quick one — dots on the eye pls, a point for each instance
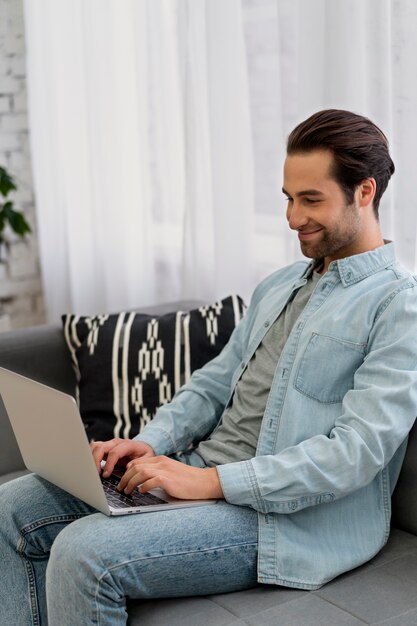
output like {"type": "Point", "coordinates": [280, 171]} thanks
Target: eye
{"type": "Point", "coordinates": [311, 200]}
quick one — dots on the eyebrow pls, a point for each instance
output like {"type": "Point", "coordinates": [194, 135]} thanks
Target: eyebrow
{"type": "Point", "coordinates": [305, 192]}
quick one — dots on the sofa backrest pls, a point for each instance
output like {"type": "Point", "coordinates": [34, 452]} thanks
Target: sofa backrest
{"type": "Point", "coordinates": [404, 500]}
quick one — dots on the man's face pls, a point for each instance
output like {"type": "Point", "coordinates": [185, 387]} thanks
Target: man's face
{"type": "Point", "coordinates": [328, 228]}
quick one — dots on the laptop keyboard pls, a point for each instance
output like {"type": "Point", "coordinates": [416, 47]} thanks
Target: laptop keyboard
{"type": "Point", "coordinates": [121, 501]}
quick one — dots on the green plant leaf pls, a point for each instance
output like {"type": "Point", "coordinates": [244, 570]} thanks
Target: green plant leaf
{"type": "Point", "coordinates": [16, 220]}
{"type": "Point", "coordinates": [7, 183]}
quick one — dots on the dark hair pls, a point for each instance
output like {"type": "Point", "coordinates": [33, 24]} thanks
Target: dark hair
{"type": "Point", "coordinates": [359, 147]}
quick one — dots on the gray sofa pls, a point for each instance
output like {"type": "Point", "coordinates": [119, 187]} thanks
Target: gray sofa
{"type": "Point", "coordinates": [383, 592]}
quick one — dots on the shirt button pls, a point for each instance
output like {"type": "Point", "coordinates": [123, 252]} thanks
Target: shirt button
{"type": "Point", "coordinates": [349, 275]}
{"type": "Point", "coordinates": [242, 365]}
{"type": "Point", "coordinates": [266, 324]}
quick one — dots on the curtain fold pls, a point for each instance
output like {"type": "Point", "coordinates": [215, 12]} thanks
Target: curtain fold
{"type": "Point", "coordinates": [142, 151]}
{"type": "Point", "coordinates": [219, 207]}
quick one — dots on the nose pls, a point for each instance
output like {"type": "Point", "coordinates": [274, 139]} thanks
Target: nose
{"type": "Point", "coordinates": [295, 215]}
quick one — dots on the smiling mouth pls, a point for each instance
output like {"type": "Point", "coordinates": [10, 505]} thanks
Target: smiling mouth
{"type": "Point", "coordinates": [305, 236]}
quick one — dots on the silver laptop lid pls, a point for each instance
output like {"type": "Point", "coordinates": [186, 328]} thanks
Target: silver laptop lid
{"type": "Point", "coordinates": [51, 437]}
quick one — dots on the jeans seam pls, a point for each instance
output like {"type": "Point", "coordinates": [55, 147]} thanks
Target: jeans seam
{"type": "Point", "coordinates": [30, 572]}
{"type": "Point", "coordinates": [46, 521]}
{"type": "Point", "coordinates": [183, 553]}
{"type": "Point", "coordinates": [109, 570]}
{"type": "Point", "coordinates": [34, 607]}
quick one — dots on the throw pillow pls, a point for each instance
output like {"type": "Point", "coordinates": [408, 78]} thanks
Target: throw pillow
{"type": "Point", "coordinates": [129, 364]}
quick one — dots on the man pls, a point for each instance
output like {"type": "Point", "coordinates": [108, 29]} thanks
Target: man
{"type": "Point", "coordinates": [301, 421]}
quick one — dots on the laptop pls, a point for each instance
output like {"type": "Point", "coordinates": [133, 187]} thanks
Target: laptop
{"type": "Point", "coordinates": [53, 443]}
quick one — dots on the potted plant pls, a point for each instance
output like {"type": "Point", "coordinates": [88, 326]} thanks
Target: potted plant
{"type": "Point", "coordinates": [8, 216]}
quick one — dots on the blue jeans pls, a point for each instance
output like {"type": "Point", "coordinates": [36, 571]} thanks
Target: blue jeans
{"type": "Point", "coordinates": [62, 563]}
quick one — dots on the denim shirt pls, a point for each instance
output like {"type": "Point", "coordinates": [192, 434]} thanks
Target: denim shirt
{"type": "Point", "coordinates": [334, 432]}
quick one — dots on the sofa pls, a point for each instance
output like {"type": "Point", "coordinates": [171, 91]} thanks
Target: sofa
{"type": "Point", "coordinates": [382, 592]}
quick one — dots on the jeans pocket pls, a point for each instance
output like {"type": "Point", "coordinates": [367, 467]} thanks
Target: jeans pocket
{"type": "Point", "coordinates": [327, 368]}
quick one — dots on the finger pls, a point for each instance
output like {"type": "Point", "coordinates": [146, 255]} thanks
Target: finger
{"type": "Point", "coordinates": [97, 449]}
{"type": "Point", "coordinates": [144, 461]}
{"type": "Point", "coordinates": [125, 449]}
{"type": "Point", "coordinates": [119, 451]}
{"type": "Point", "coordinates": [132, 483]}
{"type": "Point", "coordinates": [100, 449]}
{"type": "Point", "coordinates": [125, 479]}
{"type": "Point", "coordinates": [142, 468]}
{"type": "Point", "coordinates": [135, 477]}
{"type": "Point", "coordinates": [130, 473]}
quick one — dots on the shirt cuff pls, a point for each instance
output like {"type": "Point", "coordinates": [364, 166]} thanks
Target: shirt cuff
{"type": "Point", "coordinates": [239, 485]}
{"type": "Point", "coordinates": [159, 440]}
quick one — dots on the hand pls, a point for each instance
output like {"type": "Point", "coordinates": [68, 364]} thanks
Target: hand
{"type": "Point", "coordinates": [118, 452]}
{"type": "Point", "coordinates": [176, 478]}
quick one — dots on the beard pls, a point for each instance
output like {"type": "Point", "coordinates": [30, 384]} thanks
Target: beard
{"type": "Point", "coordinates": [336, 240]}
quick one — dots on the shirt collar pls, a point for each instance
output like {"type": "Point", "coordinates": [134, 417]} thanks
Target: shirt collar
{"type": "Point", "coordinates": [353, 269]}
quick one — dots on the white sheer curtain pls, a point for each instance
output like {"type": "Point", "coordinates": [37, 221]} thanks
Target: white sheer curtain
{"type": "Point", "coordinates": [141, 148]}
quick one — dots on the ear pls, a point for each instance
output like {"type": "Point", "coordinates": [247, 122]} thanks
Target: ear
{"type": "Point", "coordinates": [366, 192]}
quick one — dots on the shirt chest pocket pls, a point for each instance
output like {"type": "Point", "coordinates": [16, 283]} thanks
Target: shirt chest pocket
{"type": "Point", "coordinates": [327, 368]}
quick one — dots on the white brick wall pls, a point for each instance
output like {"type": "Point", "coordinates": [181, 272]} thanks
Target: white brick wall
{"type": "Point", "coordinates": [21, 302]}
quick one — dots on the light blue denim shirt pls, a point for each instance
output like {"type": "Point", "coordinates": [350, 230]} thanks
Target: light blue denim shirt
{"type": "Point", "coordinates": [334, 431]}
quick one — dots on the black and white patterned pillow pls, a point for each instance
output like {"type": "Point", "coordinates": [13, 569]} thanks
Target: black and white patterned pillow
{"type": "Point", "coordinates": [129, 364]}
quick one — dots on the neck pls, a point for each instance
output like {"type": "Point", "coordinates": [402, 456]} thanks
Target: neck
{"type": "Point", "coordinates": [324, 263]}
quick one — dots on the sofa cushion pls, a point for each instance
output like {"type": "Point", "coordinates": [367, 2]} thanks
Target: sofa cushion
{"type": "Point", "coordinates": [128, 364]}
{"type": "Point", "coordinates": [381, 592]}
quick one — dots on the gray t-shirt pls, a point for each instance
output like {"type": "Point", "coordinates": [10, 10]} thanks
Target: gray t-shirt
{"type": "Point", "coordinates": [236, 438]}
